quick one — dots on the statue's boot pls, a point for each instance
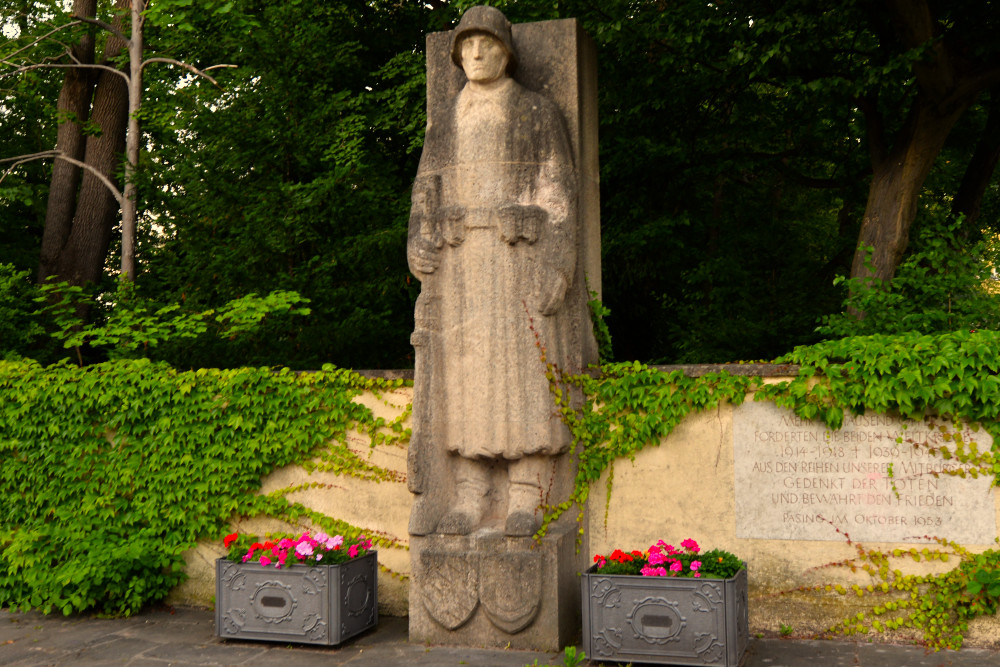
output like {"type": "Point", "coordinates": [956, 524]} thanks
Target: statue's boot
{"type": "Point", "coordinates": [425, 514]}
{"type": "Point", "coordinates": [526, 497]}
{"type": "Point", "coordinates": [472, 484]}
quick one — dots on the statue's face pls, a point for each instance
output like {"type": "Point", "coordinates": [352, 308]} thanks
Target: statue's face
{"type": "Point", "coordinates": [483, 57]}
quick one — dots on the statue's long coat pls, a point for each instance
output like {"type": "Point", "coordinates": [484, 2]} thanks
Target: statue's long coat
{"type": "Point", "coordinates": [496, 189]}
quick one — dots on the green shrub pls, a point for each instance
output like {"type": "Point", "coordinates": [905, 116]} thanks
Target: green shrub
{"type": "Point", "coordinates": [111, 472]}
{"type": "Point", "coordinates": [19, 328]}
{"type": "Point", "coordinates": [940, 287]}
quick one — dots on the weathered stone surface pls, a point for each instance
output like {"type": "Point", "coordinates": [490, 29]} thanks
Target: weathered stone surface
{"type": "Point", "coordinates": [511, 588]}
{"type": "Point", "coordinates": [450, 585]}
{"type": "Point", "coordinates": [874, 479]}
{"type": "Point", "coordinates": [526, 595]}
{"type": "Point", "coordinates": [504, 233]}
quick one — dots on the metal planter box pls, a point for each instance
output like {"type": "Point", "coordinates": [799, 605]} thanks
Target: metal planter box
{"type": "Point", "coordinates": [325, 604]}
{"type": "Point", "coordinates": [665, 620]}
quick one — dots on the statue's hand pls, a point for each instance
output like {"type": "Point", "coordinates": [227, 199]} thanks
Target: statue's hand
{"type": "Point", "coordinates": [521, 223]}
{"type": "Point", "coordinates": [451, 221]}
{"type": "Point", "coordinates": [425, 254]}
{"type": "Point", "coordinates": [551, 292]}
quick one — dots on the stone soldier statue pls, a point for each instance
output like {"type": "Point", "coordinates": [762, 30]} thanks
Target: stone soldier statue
{"type": "Point", "coordinates": [493, 240]}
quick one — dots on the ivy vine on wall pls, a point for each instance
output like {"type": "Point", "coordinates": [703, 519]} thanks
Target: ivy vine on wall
{"type": "Point", "coordinates": [111, 472]}
{"type": "Point", "coordinates": [938, 607]}
{"type": "Point", "coordinates": [950, 377]}
{"type": "Point", "coordinates": [630, 406]}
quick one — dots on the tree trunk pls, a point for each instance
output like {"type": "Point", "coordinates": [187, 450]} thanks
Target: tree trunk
{"type": "Point", "coordinates": [947, 85]}
{"type": "Point", "coordinates": [895, 189]}
{"type": "Point", "coordinates": [74, 108]}
{"type": "Point", "coordinates": [129, 208]}
{"type": "Point", "coordinates": [82, 257]}
{"type": "Point", "coordinates": [979, 171]}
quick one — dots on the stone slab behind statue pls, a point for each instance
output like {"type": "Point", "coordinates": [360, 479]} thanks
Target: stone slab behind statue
{"type": "Point", "coordinates": [487, 589]}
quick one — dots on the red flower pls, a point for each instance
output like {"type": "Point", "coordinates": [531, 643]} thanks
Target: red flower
{"type": "Point", "coordinates": [620, 556]}
{"type": "Point", "coordinates": [229, 539]}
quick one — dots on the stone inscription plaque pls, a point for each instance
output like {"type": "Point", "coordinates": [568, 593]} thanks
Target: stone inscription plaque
{"type": "Point", "coordinates": [868, 479]}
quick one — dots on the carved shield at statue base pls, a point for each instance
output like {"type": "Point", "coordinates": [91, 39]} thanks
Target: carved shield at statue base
{"type": "Point", "coordinates": [450, 586]}
{"type": "Point", "coordinates": [510, 588]}
{"type": "Point", "coordinates": [488, 589]}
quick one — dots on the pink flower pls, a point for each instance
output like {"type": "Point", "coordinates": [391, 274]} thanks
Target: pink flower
{"type": "Point", "coordinates": [697, 574]}
{"type": "Point", "coordinates": [265, 561]}
{"type": "Point", "coordinates": [653, 572]}
{"type": "Point", "coordinates": [695, 564]}
{"type": "Point", "coordinates": [335, 542]}
{"type": "Point", "coordinates": [353, 551]}
{"type": "Point", "coordinates": [304, 549]}
{"type": "Point", "coordinates": [669, 548]}
{"type": "Point", "coordinates": [690, 545]}
{"type": "Point", "coordinates": [676, 566]}
{"type": "Point", "coordinates": [656, 558]}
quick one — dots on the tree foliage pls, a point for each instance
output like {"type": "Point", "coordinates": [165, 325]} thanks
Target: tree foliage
{"type": "Point", "coordinates": [26, 104]}
{"type": "Point", "coordinates": [300, 178]}
{"type": "Point", "coordinates": [741, 145]}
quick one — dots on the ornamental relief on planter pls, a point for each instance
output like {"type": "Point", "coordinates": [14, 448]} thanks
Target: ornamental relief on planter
{"type": "Point", "coordinates": [273, 602]}
{"type": "Point", "coordinates": [680, 621]}
{"type": "Point", "coordinates": [324, 604]}
{"type": "Point", "coordinates": [656, 620]}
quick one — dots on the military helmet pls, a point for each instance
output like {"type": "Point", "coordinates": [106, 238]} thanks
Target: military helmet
{"type": "Point", "coordinates": [489, 20]}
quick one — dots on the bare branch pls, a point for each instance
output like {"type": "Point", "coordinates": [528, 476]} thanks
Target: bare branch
{"type": "Point", "coordinates": [59, 155]}
{"type": "Point", "coordinates": [191, 68]}
{"type": "Point", "coordinates": [106, 26]}
{"type": "Point", "coordinates": [25, 68]}
{"type": "Point", "coordinates": [29, 156]}
{"type": "Point", "coordinates": [44, 37]}
{"type": "Point", "coordinates": [67, 47]}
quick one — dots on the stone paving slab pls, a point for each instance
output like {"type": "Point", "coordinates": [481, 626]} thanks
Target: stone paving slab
{"type": "Point", "coordinates": [793, 653]}
{"type": "Point", "coordinates": [185, 637]}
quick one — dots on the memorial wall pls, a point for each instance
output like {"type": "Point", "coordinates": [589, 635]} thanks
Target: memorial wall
{"type": "Point", "coordinates": [876, 478]}
{"type": "Point", "coordinates": [753, 479]}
